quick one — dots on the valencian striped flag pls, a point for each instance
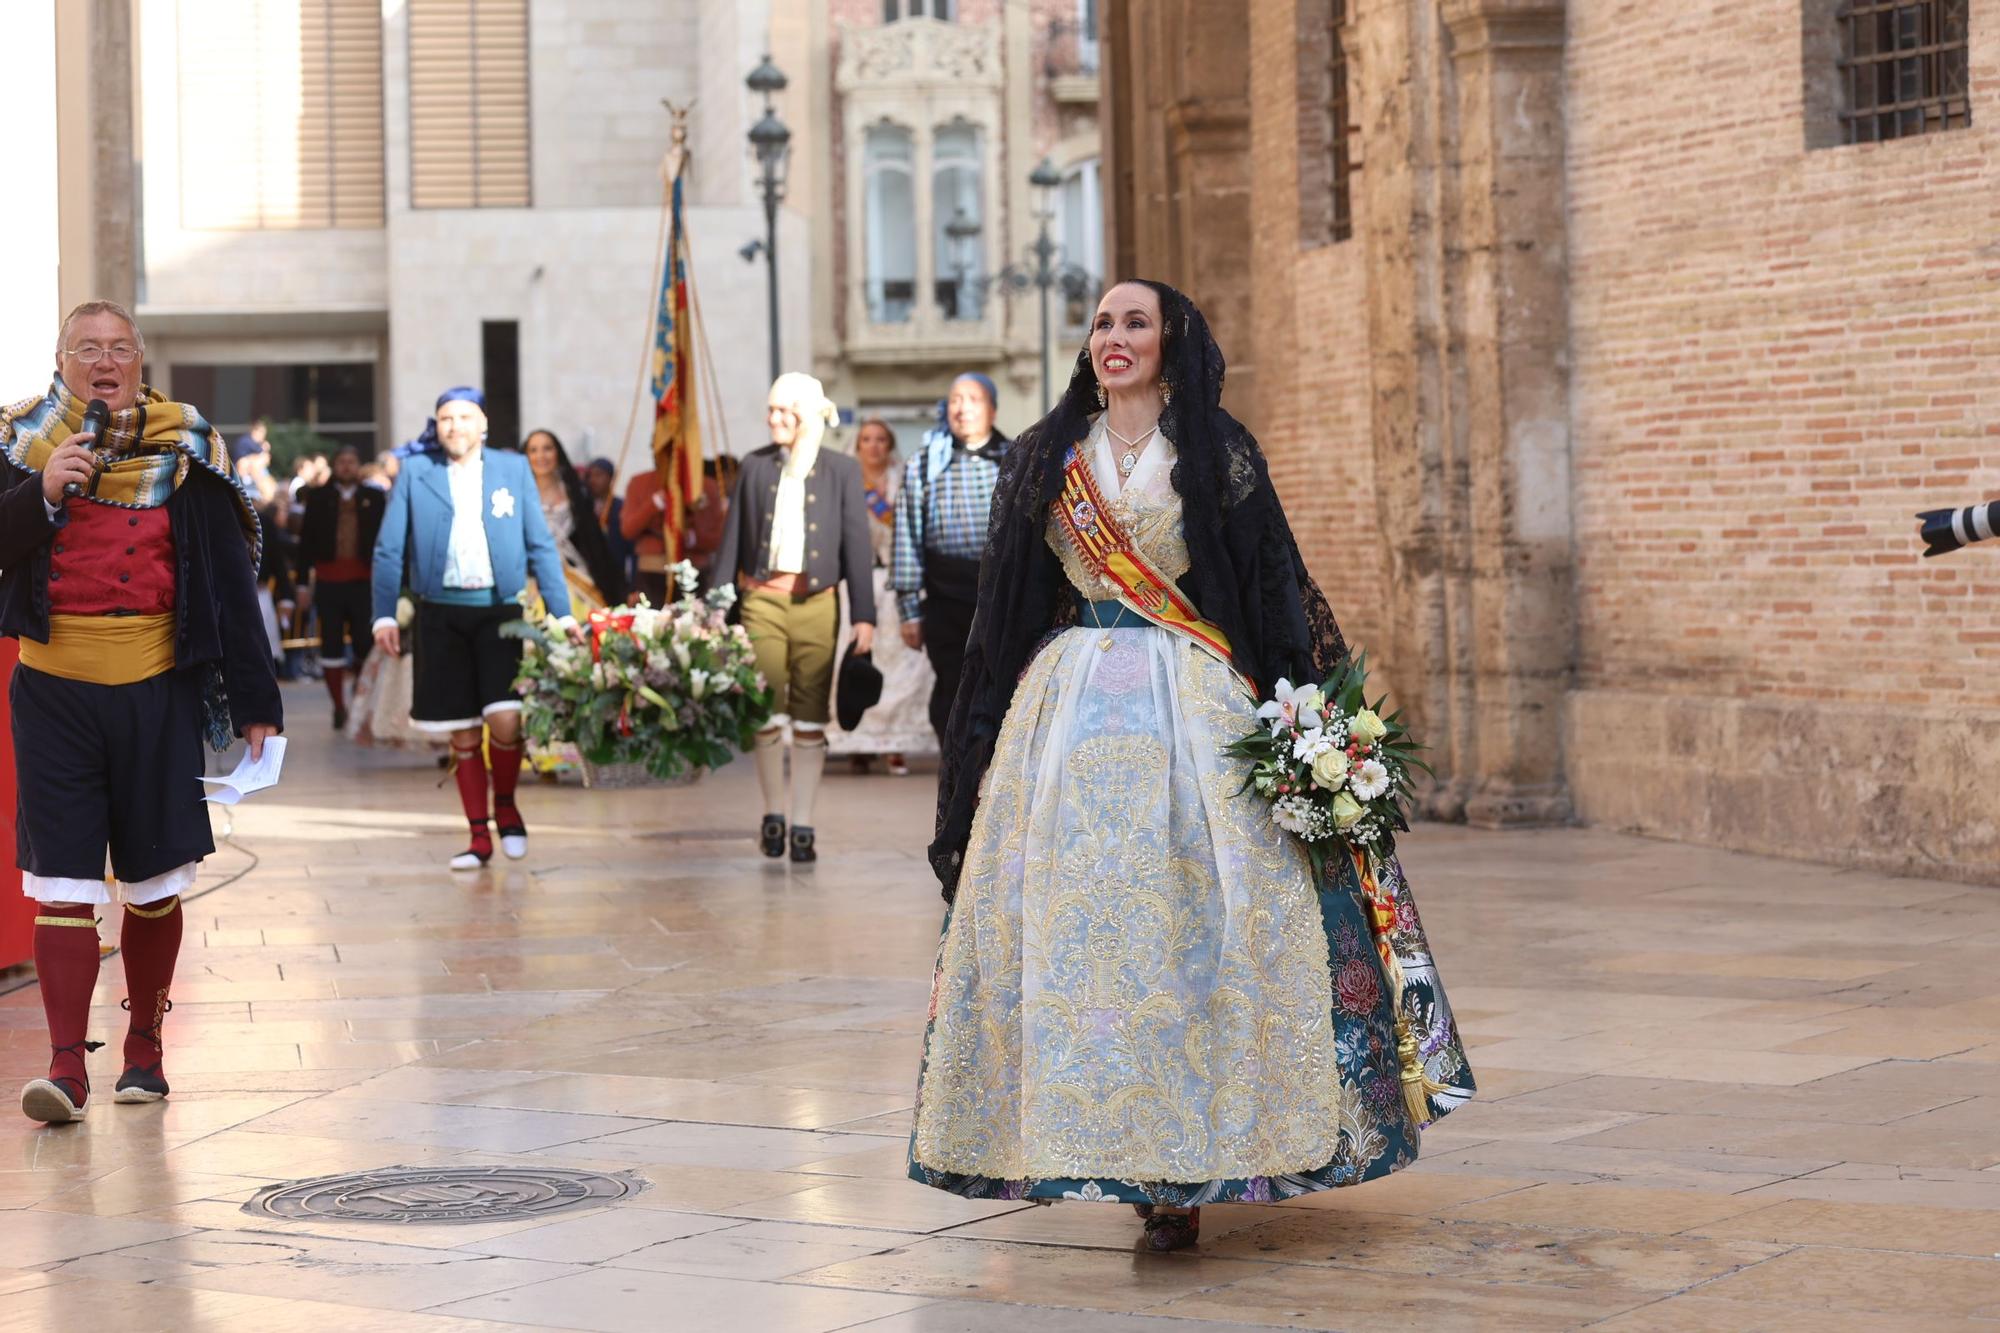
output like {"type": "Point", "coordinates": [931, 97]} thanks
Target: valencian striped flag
{"type": "Point", "coordinates": [676, 431]}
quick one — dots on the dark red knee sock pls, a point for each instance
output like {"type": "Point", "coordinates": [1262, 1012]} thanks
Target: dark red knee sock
{"type": "Point", "coordinates": [506, 761]}
{"type": "Point", "coordinates": [336, 684]}
{"type": "Point", "coordinates": [149, 942]}
{"type": "Point", "coordinates": [471, 772]}
{"type": "Point", "coordinates": [66, 966]}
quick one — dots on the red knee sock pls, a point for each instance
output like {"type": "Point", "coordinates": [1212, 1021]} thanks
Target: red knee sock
{"type": "Point", "coordinates": [149, 942]}
{"type": "Point", "coordinates": [471, 771]}
{"type": "Point", "coordinates": [336, 682]}
{"type": "Point", "coordinates": [66, 965]}
{"type": "Point", "coordinates": [506, 761]}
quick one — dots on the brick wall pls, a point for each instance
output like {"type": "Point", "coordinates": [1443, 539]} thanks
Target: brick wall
{"type": "Point", "coordinates": [1780, 355]}
{"type": "Point", "coordinates": [1777, 355]}
{"type": "Point", "coordinates": [1311, 408]}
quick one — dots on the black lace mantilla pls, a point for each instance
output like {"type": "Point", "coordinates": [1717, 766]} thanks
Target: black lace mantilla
{"type": "Point", "coordinates": [1246, 574]}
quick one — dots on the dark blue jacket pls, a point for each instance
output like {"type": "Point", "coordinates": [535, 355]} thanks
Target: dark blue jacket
{"type": "Point", "coordinates": [215, 589]}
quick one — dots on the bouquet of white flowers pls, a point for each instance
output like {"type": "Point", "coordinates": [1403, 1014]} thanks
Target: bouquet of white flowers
{"type": "Point", "coordinates": [673, 689]}
{"type": "Point", "coordinates": [1335, 768]}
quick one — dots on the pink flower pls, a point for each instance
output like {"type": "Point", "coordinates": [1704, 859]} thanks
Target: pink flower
{"type": "Point", "coordinates": [1356, 987]}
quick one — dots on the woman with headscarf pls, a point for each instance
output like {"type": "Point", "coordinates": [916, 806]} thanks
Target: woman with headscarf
{"type": "Point", "coordinates": [897, 725]}
{"type": "Point", "coordinates": [797, 528]}
{"type": "Point", "coordinates": [1142, 994]}
{"type": "Point", "coordinates": [567, 507]}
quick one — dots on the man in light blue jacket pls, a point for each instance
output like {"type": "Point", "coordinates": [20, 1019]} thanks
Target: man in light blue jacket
{"type": "Point", "coordinates": [466, 522]}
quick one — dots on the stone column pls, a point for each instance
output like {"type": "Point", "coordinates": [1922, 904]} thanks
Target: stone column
{"type": "Point", "coordinates": [1460, 207]}
{"type": "Point", "coordinates": [1511, 333]}
{"type": "Point", "coordinates": [1395, 89]}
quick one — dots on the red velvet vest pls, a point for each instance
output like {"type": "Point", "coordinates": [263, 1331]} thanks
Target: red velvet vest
{"type": "Point", "coordinates": [108, 560]}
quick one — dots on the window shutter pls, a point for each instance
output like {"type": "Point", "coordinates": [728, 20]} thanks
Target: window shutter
{"type": "Point", "coordinates": [469, 104]}
{"type": "Point", "coordinates": [280, 113]}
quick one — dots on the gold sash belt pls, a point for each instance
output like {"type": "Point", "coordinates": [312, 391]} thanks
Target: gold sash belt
{"type": "Point", "coordinates": [104, 650]}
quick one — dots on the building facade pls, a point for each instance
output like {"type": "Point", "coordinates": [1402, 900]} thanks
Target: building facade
{"type": "Point", "coordinates": [925, 120]}
{"type": "Point", "coordinates": [340, 207]}
{"type": "Point", "coordinates": [1603, 354]}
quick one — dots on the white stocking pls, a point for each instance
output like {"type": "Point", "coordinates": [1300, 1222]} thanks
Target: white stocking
{"type": "Point", "coordinates": [808, 761]}
{"type": "Point", "coordinates": [770, 753]}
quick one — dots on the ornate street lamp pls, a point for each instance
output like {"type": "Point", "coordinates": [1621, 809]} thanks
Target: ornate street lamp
{"type": "Point", "coordinates": [1047, 272]}
{"type": "Point", "coordinates": [771, 140]}
{"type": "Point", "coordinates": [962, 231]}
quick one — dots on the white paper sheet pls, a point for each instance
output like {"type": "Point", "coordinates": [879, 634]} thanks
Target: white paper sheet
{"type": "Point", "coordinates": [250, 775]}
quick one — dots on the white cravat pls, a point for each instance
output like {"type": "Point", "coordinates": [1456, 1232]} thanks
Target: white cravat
{"type": "Point", "coordinates": [788, 524]}
{"type": "Point", "coordinates": [467, 562]}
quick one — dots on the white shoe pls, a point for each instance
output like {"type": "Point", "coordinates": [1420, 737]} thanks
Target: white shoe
{"type": "Point", "coordinates": [515, 845]}
{"type": "Point", "coordinates": [468, 860]}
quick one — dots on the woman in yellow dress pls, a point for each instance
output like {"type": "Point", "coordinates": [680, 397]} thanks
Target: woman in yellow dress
{"type": "Point", "coordinates": [1142, 994]}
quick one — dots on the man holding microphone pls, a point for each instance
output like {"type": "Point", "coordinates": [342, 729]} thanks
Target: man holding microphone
{"type": "Point", "coordinates": [127, 571]}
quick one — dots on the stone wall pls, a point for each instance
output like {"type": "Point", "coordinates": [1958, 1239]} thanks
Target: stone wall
{"type": "Point", "coordinates": [1605, 429]}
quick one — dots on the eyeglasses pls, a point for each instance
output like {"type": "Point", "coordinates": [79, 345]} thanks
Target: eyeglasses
{"type": "Point", "coordinates": [123, 354]}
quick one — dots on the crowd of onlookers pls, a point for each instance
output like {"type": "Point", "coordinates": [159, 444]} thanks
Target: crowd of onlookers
{"type": "Point", "coordinates": [613, 538]}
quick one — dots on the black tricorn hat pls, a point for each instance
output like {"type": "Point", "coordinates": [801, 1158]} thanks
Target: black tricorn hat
{"type": "Point", "coordinates": [858, 690]}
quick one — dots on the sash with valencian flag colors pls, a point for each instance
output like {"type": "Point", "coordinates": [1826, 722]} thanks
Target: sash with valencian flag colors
{"type": "Point", "coordinates": [1086, 520]}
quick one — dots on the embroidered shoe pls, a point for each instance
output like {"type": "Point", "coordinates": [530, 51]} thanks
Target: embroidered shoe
{"type": "Point", "coordinates": [772, 835]}
{"type": "Point", "coordinates": [1173, 1231]}
{"type": "Point", "coordinates": [513, 831]}
{"type": "Point", "coordinates": [802, 845]}
{"type": "Point", "coordinates": [479, 853]}
{"type": "Point", "coordinates": [142, 1082]}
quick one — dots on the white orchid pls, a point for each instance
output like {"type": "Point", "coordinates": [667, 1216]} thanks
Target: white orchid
{"type": "Point", "coordinates": [1292, 706]}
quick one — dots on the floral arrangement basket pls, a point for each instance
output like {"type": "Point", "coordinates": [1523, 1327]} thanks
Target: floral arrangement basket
{"type": "Point", "coordinates": [644, 693]}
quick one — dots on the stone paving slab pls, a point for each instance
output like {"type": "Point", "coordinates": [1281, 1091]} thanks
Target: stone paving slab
{"type": "Point", "coordinates": [1716, 1091]}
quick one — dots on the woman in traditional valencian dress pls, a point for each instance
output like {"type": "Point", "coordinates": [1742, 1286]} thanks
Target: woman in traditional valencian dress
{"type": "Point", "coordinates": [594, 577]}
{"type": "Point", "coordinates": [1142, 995]}
{"type": "Point", "coordinates": [898, 724]}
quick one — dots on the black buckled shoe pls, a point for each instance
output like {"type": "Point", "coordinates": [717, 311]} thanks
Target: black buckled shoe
{"type": "Point", "coordinates": [802, 846]}
{"type": "Point", "coordinates": [771, 837]}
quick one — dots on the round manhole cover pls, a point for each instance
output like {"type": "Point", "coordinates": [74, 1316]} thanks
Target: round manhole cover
{"type": "Point", "coordinates": [442, 1194]}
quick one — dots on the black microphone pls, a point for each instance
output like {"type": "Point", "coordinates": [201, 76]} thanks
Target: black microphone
{"type": "Point", "coordinates": [96, 416]}
{"type": "Point", "coordinates": [1947, 530]}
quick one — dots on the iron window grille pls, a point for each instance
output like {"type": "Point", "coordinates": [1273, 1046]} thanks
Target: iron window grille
{"type": "Point", "coordinates": [1904, 69]}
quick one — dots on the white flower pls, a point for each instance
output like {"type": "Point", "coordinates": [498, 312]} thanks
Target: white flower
{"type": "Point", "coordinates": [1311, 744]}
{"type": "Point", "coordinates": [645, 622]}
{"type": "Point", "coordinates": [1371, 779]}
{"type": "Point", "coordinates": [503, 503]}
{"type": "Point", "coordinates": [687, 576]}
{"type": "Point", "coordinates": [1295, 706]}
{"type": "Point", "coordinates": [697, 684]}
{"type": "Point", "coordinates": [1293, 813]}
{"type": "Point", "coordinates": [680, 651]}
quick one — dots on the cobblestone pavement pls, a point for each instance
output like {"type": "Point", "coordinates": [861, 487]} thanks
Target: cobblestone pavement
{"type": "Point", "coordinates": [1717, 1091]}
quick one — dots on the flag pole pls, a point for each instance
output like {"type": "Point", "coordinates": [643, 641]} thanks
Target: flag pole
{"type": "Point", "coordinates": [670, 166]}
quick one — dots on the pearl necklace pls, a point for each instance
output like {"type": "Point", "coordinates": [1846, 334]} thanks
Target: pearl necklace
{"type": "Point", "coordinates": [1130, 458]}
